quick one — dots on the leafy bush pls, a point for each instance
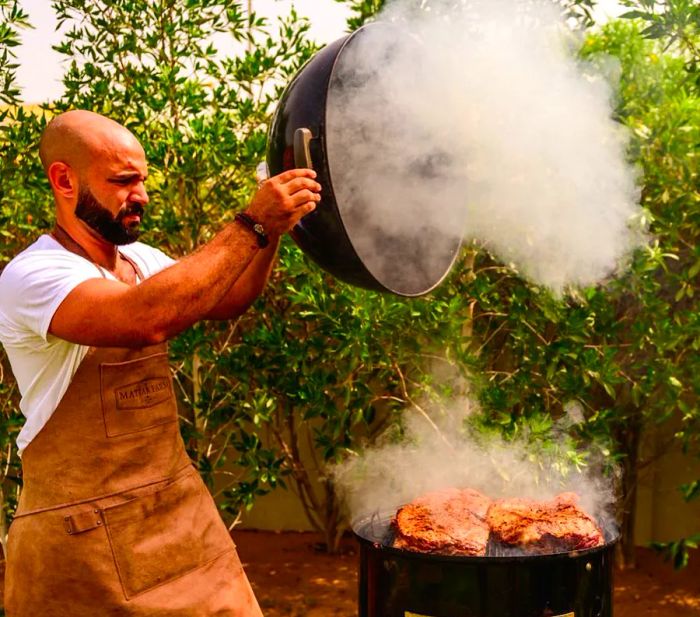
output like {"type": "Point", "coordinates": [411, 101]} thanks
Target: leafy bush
{"type": "Point", "coordinates": [319, 362]}
{"type": "Point", "coordinates": [626, 352]}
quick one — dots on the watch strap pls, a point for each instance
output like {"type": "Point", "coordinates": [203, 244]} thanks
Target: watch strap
{"type": "Point", "coordinates": [248, 221]}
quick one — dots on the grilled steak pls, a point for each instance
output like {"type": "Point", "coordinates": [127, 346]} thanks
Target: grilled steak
{"type": "Point", "coordinates": [541, 527]}
{"type": "Point", "coordinates": [449, 522]}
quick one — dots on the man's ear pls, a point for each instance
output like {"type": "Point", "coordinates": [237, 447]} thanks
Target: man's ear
{"type": "Point", "coordinates": [63, 180]}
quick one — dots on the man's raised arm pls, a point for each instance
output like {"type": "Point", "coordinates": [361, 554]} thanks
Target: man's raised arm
{"type": "Point", "coordinates": [107, 313]}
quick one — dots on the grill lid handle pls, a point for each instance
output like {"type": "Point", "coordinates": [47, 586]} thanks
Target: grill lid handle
{"type": "Point", "coordinates": [302, 153]}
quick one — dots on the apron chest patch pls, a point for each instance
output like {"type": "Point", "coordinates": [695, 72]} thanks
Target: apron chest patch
{"type": "Point", "coordinates": [137, 395]}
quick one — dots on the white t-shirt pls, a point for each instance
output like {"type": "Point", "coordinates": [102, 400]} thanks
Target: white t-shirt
{"type": "Point", "coordinates": [32, 286]}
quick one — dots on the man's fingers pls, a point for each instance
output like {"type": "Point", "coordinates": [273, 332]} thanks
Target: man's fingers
{"type": "Point", "coordinates": [310, 207]}
{"type": "Point", "coordinates": [299, 184]}
{"type": "Point", "coordinates": [303, 197]}
{"type": "Point", "coordinates": [301, 212]}
{"type": "Point", "coordinates": [284, 199]}
{"type": "Point", "coordinates": [287, 176]}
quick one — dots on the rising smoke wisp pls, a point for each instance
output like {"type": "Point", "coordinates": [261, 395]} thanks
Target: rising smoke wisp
{"type": "Point", "coordinates": [475, 120]}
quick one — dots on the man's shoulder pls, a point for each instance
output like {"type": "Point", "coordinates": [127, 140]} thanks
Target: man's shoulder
{"type": "Point", "coordinates": [43, 243]}
{"type": "Point", "coordinates": [45, 264]}
{"type": "Point", "coordinates": [44, 250]}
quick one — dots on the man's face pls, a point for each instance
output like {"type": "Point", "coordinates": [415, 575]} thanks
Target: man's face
{"type": "Point", "coordinates": [119, 229]}
{"type": "Point", "coordinates": [112, 195]}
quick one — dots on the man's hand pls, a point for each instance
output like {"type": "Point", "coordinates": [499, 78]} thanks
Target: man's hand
{"type": "Point", "coordinates": [284, 199]}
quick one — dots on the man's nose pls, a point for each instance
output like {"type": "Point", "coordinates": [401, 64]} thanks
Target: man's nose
{"type": "Point", "coordinates": [140, 196]}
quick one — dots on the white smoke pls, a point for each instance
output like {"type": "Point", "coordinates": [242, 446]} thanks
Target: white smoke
{"type": "Point", "coordinates": [475, 120]}
{"type": "Point", "coordinates": [436, 452]}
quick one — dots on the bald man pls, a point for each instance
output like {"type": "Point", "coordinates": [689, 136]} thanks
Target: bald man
{"type": "Point", "coordinates": [113, 518]}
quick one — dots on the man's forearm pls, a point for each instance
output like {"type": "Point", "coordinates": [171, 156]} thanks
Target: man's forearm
{"type": "Point", "coordinates": [249, 284]}
{"type": "Point", "coordinates": [187, 291]}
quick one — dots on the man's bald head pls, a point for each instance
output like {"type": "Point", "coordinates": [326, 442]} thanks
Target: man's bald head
{"type": "Point", "coordinates": [79, 137]}
{"type": "Point", "coordinates": [97, 170]}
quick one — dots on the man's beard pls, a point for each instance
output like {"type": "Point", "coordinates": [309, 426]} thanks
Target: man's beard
{"type": "Point", "coordinates": [98, 218]}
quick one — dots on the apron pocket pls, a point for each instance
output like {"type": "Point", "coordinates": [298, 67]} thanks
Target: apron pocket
{"type": "Point", "coordinates": [161, 536]}
{"type": "Point", "coordinates": [137, 395]}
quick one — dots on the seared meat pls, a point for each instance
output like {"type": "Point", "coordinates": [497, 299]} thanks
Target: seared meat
{"type": "Point", "coordinates": [450, 522]}
{"type": "Point", "coordinates": [541, 527]}
{"type": "Point", "coordinates": [465, 522]}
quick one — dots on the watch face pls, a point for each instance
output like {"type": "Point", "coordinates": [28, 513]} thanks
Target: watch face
{"type": "Point", "coordinates": [258, 228]}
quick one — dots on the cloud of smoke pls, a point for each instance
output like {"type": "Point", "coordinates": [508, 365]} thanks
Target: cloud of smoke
{"type": "Point", "coordinates": [439, 453]}
{"type": "Point", "coordinates": [475, 120]}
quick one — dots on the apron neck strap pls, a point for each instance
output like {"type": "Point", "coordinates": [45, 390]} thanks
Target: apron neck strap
{"type": "Point", "coordinates": [66, 241]}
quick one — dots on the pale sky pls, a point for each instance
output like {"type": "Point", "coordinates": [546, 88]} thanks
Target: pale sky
{"type": "Point", "coordinates": [40, 70]}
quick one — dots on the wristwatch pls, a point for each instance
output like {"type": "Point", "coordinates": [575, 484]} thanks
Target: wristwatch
{"type": "Point", "coordinates": [248, 221]}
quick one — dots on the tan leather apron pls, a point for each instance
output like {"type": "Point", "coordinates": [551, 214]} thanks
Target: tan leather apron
{"type": "Point", "coordinates": [113, 518]}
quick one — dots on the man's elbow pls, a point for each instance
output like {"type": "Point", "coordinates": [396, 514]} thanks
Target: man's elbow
{"type": "Point", "coordinates": [142, 339]}
{"type": "Point", "coordinates": [158, 337]}
{"type": "Point", "coordinates": [230, 311]}
{"type": "Point", "coordinates": [152, 333]}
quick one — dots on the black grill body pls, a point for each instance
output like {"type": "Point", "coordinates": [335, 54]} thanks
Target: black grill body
{"type": "Point", "coordinates": [399, 583]}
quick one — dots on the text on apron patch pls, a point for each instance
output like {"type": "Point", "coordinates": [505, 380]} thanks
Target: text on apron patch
{"type": "Point", "coordinates": [143, 394]}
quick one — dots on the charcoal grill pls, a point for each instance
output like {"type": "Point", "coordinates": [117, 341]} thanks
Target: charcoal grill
{"type": "Point", "coordinates": [400, 583]}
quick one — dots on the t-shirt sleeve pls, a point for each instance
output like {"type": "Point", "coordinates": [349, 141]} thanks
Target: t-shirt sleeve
{"type": "Point", "coordinates": [33, 286]}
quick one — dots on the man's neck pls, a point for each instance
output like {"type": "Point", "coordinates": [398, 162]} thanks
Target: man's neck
{"type": "Point", "coordinates": [88, 243]}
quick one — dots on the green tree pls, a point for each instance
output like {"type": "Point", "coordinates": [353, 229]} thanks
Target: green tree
{"type": "Point", "coordinates": [23, 212]}
{"type": "Point", "coordinates": [16, 223]}
{"type": "Point", "coordinates": [12, 19]}
{"type": "Point", "coordinates": [676, 25]}
{"type": "Point", "coordinates": [327, 367]}
{"type": "Point", "coordinates": [319, 362]}
{"type": "Point", "coordinates": [363, 11]}
{"type": "Point", "coordinates": [201, 115]}
{"type": "Point", "coordinates": [626, 352]}
{"type": "Point", "coordinates": [316, 363]}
